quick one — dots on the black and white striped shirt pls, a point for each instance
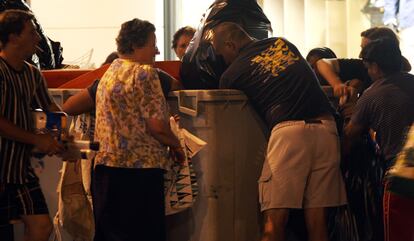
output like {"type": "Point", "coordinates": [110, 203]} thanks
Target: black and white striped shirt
{"type": "Point", "coordinates": [20, 92]}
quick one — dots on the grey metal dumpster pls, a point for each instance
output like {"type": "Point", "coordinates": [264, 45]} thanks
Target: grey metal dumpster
{"type": "Point", "coordinates": [227, 169]}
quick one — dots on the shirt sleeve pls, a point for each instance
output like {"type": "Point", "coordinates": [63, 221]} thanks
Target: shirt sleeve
{"type": "Point", "coordinates": [92, 89]}
{"type": "Point", "coordinates": [152, 104]}
{"type": "Point", "coordinates": [165, 80]}
{"type": "Point", "coordinates": [226, 81]}
{"type": "Point", "coordinates": [353, 69]}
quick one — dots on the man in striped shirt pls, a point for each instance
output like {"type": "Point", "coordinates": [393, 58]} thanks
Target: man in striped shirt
{"type": "Point", "coordinates": [387, 106]}
{"type": "Point", "coordinates": [22, 88]}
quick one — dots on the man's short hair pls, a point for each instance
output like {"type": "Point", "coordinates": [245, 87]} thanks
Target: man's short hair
{"type": "Point", "coordinates": [367, 32]}
{"type": "Point", "coordinates": [227, 31]}
{"type": "Point", "coordinates": [12, 22]}
{"type": "Point", "coordinates": [385, 52]}
{"type": "Point", "coordinates": [187, 30]}
{"type": "Point", "coordinates": [379, 32]}
{"type": "Point", "coordinates": [133, 34]}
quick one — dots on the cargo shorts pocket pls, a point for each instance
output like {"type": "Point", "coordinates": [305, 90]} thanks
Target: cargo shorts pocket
{"type": "Point", "coordinates": [265, 190]}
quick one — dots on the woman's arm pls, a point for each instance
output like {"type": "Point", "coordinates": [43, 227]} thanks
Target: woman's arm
{"type": "Point", "coordinates": [161, 131]}
{"type": "Point", "coordinates": [80, 103]}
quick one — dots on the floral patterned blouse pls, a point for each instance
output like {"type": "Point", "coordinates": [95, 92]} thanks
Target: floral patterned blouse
{"type": "Point", "coordinates": [127, 94]}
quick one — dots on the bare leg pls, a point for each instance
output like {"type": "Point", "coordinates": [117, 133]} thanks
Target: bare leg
{"type": "Point", "coordinates": [275, 221]}
{"type": "Point", "coordinates": [316, 224]}
{"type": "Point", "coordinates": [37, 227]}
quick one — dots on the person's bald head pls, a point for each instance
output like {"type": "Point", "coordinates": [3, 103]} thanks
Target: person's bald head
{"type": "Point", "coordinates": [227, 38]}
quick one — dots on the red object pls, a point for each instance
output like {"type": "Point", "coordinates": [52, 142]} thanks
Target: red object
{"type": "Point", "coordinates": [79, 79]}
{"type": "Point", "coordinates": [398, 217]}
{"type": "Point", "coordinates": [85, 80]}
{"type": "Point", "coordinates": [58, 77]}
{"type": "Point", "coordinates": [171, 67]}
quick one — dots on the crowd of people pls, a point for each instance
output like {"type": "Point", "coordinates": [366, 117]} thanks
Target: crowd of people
{"type": "Point", "coordinates": [311, 138]}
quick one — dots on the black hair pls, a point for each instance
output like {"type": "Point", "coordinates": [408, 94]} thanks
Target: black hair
{"type": "Point", "coordinates": [321, 53]}
{"type": "Point", "coordinates": [187, 30]}
{"type": "Point", "coordinates": [379, 32]}
{"type": "Point", "coordinates": [110, 58]}
{"type": "Point", "coordinates": [12, 22]}
{"type": "Point", "coordinates": [385, 52]}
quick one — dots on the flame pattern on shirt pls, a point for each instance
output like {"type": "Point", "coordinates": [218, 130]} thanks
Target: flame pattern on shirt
{"type": "Point", "coordinates": [275, 59]}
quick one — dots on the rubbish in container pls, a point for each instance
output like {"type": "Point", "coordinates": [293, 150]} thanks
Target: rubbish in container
{"type": "Point", "coordinates": [201, 67]}
{"type": "Point", "coordinates": [55, 123]}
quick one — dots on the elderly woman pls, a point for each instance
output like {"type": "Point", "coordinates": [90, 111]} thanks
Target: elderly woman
{"type": "Point", "coordinates": [135, 141]}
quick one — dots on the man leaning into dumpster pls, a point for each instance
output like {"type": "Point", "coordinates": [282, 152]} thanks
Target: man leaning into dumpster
{"type": "Point", "coordinates": [22, 88]}
{"type": "Point", "coordinates": [301, 168]}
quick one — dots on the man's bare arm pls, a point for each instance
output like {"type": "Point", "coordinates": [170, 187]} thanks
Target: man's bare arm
{"type": "Point", "coordinates": [351, 132]}
{"type": "Point", "coordinates": [13, 132]}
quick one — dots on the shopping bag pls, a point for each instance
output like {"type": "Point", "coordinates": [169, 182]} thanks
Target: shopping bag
{"type": "Point", "coordinates": [75, 213]}
{"type": "Point", "coordinates": [181, 187]}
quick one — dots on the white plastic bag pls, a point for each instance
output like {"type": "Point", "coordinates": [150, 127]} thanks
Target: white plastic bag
{"type": "Point", "coordinates": [75, 213]}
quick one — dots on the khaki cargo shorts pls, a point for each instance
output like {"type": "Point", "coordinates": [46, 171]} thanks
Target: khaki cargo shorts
{"type": "Point", "coordinates": [301, 169]}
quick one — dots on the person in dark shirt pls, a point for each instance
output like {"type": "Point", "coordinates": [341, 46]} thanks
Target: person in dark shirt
{"type": "Point", "coordinates": [301, 169]}
{"type": "Point", "coordinates": [387, 106]}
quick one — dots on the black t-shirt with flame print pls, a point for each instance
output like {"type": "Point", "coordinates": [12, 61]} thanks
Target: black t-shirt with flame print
{"type": "Point", "coordinates": [278, 81]}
